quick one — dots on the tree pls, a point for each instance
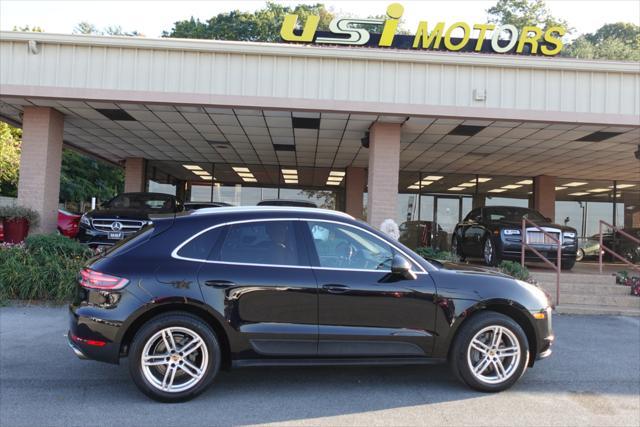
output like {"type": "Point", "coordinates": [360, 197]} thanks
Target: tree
{"type": "Point", "coordinates": [27, 28]}
{"type": "Point", "coordinates": [9, 159]}
{"type": "Point", "coordinates": [112, 30]}
{"type": "Point", "coordinates": [619, 41]}
{"type": "Point", "coordinates": [521, 13]}
{"type": "Point", "coordinates": [262, 25]}
{"type": "Point", "coordinates": [82, 177]}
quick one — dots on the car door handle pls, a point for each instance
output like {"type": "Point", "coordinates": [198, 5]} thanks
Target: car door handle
{"type": "Point", "coordinates": [335, 289]}
{"type": "Point", "coordinates": [219, 284]}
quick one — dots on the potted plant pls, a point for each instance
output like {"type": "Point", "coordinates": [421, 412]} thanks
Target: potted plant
{"type": "Point", "coordinates": [16, 221]}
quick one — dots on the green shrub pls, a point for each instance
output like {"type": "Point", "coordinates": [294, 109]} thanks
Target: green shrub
{"type": "Point", "coordinates": [44, 267]}
{"type": "Point", "coordinates": [426, 252]}
{"type": "Point", "coordinates": [514, 269]}
{"type": "Point", "coordinates": [16, 212]}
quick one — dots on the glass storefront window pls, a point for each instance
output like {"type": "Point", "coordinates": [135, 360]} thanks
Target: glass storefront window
{"type": "Point", "coordinates": [507, 201]}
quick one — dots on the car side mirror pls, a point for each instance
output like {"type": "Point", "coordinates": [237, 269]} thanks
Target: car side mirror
{"type": "Point", "coordinates": [400, 266]}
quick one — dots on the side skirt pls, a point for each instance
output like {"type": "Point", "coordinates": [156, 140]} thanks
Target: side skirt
{"type": "Point", "coordinates": [369, 361]}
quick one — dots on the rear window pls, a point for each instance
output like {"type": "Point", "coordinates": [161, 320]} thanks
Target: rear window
{"type": "Point", "coordinates": [200, 247]}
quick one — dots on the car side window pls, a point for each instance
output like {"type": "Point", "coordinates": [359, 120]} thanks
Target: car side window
{"type": "Point", "coordinates": [341, 246]}
{"type": "Point", "coordinates": [265, 242]}
{"type": "Point", "coordinates": [200, 247]}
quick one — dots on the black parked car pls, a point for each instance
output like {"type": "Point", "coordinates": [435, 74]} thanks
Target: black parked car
{"type": "Point", "coordinates": [123, 216]}
{"type": "Point", "coordinates": [285, 202]}
{"type": "Point", "coordinates": [229, 287]}
{"type": "Point", "coordinates": [493, 233]}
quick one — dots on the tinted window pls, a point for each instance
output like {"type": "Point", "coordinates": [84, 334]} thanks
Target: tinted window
{"type": "Point", "coordinates": [473, 215]}
{"type": "Point", "coordinates": [143, 202]}
{"type": "Point", "coordinates": [340, 246]}
{"type": "Point", "coordinates": [512, 214]}
{"type": "Point", "coordinates": [200, 247]}
{"type": "Point", "coordinates": [268, 242]}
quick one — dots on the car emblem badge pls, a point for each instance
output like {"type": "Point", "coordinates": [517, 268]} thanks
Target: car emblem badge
{"type": "Point", "coordinates": [116, 226]}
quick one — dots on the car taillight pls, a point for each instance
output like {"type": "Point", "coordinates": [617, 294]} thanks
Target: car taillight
{"type": "Point", "coordinates": [96, 280]}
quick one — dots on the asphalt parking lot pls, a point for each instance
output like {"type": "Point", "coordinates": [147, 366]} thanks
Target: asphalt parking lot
{"type": "Point", "coordinates": [593, 378]}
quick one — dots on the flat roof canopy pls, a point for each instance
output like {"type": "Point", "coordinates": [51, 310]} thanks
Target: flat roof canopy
{"type": "Point", "coordinates": [272, 106]}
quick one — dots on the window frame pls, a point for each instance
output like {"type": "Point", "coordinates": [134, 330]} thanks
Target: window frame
{"type": "Point", "coordinates": [304, 234]}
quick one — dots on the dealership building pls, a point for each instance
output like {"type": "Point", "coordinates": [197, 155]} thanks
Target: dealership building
{"type": "Point", "coordinates": [377, 132]}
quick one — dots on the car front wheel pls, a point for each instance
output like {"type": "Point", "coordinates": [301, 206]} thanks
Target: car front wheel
{"type": "Point", "coordinates": [174, 357]}
{"type": "Point", "coordinates": [490, 253]}
{"type": "Point", "coordinates": [490, 352]}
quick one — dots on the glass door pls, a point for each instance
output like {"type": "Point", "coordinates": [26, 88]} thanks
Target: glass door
{"type": "Point", "coordinates": [447, 215]}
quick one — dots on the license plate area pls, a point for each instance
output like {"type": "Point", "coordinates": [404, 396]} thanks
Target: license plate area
{"type": "Point", "coordinates": [116, 235]}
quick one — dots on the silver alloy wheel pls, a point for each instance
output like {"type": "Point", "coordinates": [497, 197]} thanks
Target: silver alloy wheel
{"type": "Point", "coordinates": [488, 251]}
{"type": "Point", "coordinates": [174, 359]}
{"type": "Point", "coordinates": [494, 354]}
{"type": "Point", "coordinates": [580, 255]}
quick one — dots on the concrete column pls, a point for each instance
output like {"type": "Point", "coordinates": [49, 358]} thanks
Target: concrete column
{"type": "Point", "coordinates": [40, 160]}
{"type": "Point", "coordinates": [134, 171]}
{"type": "Point", "coordinates": [544, 195]}
{"type": "Point", "coordinates": [354, 190]}
{"type": "Point", "coordinates": [384, 169]}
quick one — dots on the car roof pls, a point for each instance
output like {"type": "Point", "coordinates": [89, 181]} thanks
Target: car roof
{"type": "Point", "coordinates": [225, 210]}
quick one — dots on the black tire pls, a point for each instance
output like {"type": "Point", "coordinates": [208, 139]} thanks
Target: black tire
{"type": "Point", "coordinates": [458, 356]}
{"type": "Point", "coordinates": [456, 249]}
{"type": "Point", "coordinates": [174, 320]}
{"type": "Point", "coordinates": [567, 264]}
{"type": "Point", "coordinates": [495, 259]}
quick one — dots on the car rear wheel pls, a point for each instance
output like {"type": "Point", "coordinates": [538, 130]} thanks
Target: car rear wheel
{"type": "Point", "coordinates": [580, 255]}
{"type": "Point", "coordinates": [174, 357]}
{"type": "Point", "coordinates": [490, 352]}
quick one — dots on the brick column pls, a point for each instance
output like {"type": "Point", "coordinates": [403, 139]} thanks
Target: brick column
{"type": "Point", "coordinates": [134, 179]}
{"type": "Point", "coordinates": [40, 160]}
{"type": "Point", "coordinates": [544, 195]}
{"type": "Point", "coordinates": [354, 190]}
{"type": "Point", "coordinates": [384, 168]}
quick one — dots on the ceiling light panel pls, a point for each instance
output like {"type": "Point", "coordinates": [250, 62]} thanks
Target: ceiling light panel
{"type": "Point", "coordinates": [574, 184]}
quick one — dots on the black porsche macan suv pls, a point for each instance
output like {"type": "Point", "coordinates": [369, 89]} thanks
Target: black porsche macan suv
{"type": "Point", "coordinates": [493, 233]}
{"type": "Point", "coordinates": [229, 287]}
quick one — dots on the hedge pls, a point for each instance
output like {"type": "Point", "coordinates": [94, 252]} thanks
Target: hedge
{"type": "Point", "coordinates": [44, 267]}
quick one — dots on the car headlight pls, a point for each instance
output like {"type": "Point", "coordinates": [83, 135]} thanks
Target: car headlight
{"type": "Point", "coordinates": [84, 220]}
{"type": "Point", "coordinates": [569, 234]}
{"type": "Point", "coordinates": [511, 232]}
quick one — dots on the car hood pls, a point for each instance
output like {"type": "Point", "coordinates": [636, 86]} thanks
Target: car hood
{"type": "Point", "coordinates": [120, 214]}
{"type": "Point", "coordinates": [470, 269]}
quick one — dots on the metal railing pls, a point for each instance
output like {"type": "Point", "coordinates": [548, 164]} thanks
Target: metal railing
{"type": "Point", "coordinates": [603, 248]}
{"type": "Point", "coordinates": [525, 245]}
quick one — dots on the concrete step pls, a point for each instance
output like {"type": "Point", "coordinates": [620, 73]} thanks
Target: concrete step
{"type": "Point", "coordinates": [598, 310]}
{"type": "Point", "coordinates": [575, 278]}
{"type": "Point", "coordinates": [589, 288]}
{"type": "Point", "coordinates": [620, 301]}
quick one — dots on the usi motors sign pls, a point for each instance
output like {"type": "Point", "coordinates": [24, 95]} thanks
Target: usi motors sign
{"type": "Point", "coordinates": [488, 38]}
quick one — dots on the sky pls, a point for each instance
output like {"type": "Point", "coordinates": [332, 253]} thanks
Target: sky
{"type": "Point", "coordinates": [151, 17]}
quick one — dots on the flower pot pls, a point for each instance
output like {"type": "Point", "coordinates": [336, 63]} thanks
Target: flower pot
{"type": "Point", "coordinates": [15, 230]}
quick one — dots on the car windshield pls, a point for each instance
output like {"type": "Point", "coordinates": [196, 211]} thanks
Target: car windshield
{"type": "Point", "coordinates": [143, 202]}
{"type": "Point", "coordinates": [512, 214]}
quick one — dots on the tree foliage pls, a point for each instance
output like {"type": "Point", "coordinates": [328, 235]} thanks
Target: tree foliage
{"type": "Point", "coordinates": [82, 178]}
{"type": "Point", "coordinates": [9, 159]}
{"type": "Point", "coordinates": [521, 13]}
{"type": "Point", "coordinates": [88, 28]}
{"type": "Point", "coordinates": [619, 41]}
{"type": "Point", "coordinates": [262, 25]}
